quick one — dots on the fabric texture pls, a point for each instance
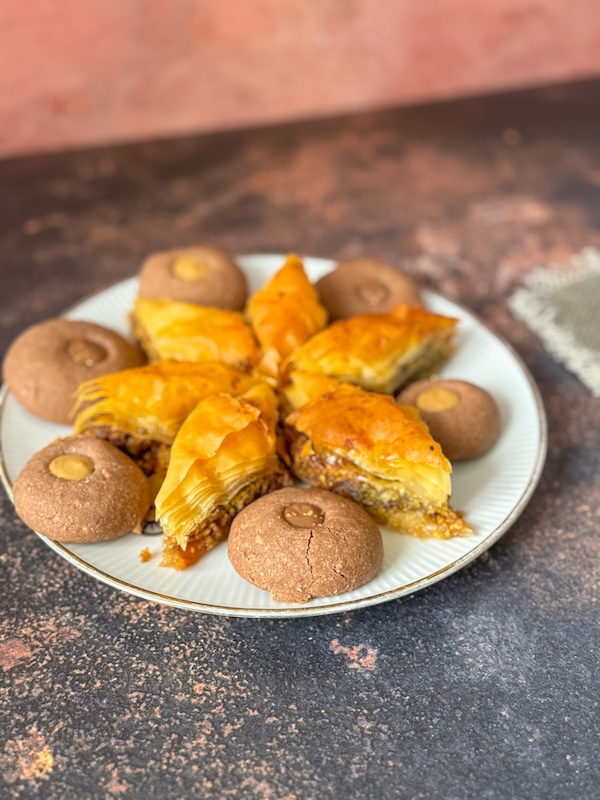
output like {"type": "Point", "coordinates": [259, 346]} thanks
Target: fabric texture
{"type": "Point", "coordinates": [561, 304]}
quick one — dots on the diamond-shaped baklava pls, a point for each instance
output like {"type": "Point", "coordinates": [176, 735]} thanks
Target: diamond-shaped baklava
{"type": "Point", "coordinates": [283, 314]}
{"type": "Point", "coordinates": [140, 410]}
{"type": "Point", "coordinates": [224, 456]}
{"type": "Point", "coordinates": [167, 329]}
{"type": "Point", "coordinates": [380, 352]}
{"type": "Point", "coordinates": [365, 446]}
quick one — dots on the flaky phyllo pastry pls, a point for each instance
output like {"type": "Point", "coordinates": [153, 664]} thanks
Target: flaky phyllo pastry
{"type": "Point", "coordinates": [140, 410]}
{"type": "Point", "coordinates": [223, 457]}
{"type": "Point", "coordinates": [365, 446]}
{"type": "Point", "coordinates": [167, 329]}
{"type": "Point", "coordinates": [303, 387]}
{"type": "Point", "coordinates": [380, 352]}
{"type": "Point", "coordinates": [283, 314]}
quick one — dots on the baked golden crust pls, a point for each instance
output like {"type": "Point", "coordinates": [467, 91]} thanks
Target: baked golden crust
{"type": "Point", "coordinates": [380, 352]}
{"type": "Point", "coordinates": [283, 314]}
{"type": "Point", "coordinates": [147, 404]}
{"type": "Point", "coordinates": [223, 457]}
{"type": "Point", "coordinates": [168, 329]}
{"type": "Point", "coordinates": [365, 446]}
{"type": "Point", "coordinates": [300, 388]}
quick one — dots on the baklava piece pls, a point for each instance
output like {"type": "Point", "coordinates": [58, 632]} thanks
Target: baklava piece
{"type": "Point", "coordinates": [223, 457]}
{"type": "Point", "coordinates": [168, 329]}
{"type": "Point", "coordinates": [365, 446]}
{"type": "Point", "coordinates": [140, 410]}
{"type": "Point", "coordinates": [379, 352]}
{"type": "Point", "coordinates": [283, 314]}
{"type": "Point", "coordinates": [302, 387]}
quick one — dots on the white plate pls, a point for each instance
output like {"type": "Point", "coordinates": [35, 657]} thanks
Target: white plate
{"type": "Point", "coordinates": [492, 490]}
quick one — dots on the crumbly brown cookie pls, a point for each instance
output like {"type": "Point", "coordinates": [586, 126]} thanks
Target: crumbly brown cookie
{"type": "Point", "coordinates": [364, 286]}
{"type": "Point", "coordinates": [203, 274]}
{"type": "Point", "coordinates": [82, 489]}
{"type": "Point", "coordinates": [463, 418]}
{"type": "Point", "coordinates": [300, 543]}
{"type": "Point", "coordinates": [46, 363]}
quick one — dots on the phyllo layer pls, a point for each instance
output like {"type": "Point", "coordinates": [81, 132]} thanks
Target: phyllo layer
{"type": "Point", "coordinates": [379, 352]}
{"type": "Point", "coordinates": [223, 457]}
{"type": "Point", "coordinates": [283, 314]}
{"type": "Point", "coordinates": [167, 329]}
{"type": "Point", "coordinates": [140, 410]}
{"type": "Point", "coordinates": [365, 446]}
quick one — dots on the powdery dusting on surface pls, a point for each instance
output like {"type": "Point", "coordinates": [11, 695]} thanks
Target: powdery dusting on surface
{"type": "Point", "coordinates": [360, 657]}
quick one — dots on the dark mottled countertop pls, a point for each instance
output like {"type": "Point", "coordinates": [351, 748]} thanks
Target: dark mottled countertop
{"type": "Point", "coordinates": [484, 685]}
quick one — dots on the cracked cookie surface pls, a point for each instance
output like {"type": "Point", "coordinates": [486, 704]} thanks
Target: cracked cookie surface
{"type": "Point", "coordinates": [298, 543]}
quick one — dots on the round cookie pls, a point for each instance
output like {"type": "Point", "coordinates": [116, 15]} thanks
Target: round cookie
{"type": "Point", "coordinates": [463, 418]}
{"type": "Point", "coordinates": [364, 286]}
{"type": "Point", "coordinates": [300, 543]}
{"type": "Point", "coordinates": [203, 274]}
{"type": "Point", "coordinates": [82, 489]}
{"type": "Point", "coordinates": [46, 363]}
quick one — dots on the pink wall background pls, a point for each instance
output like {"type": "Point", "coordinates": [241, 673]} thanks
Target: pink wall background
{"type": "Point", "coordinates": [84, 72]}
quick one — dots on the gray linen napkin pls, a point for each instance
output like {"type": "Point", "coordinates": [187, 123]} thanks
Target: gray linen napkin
{"type": "Point", "coordinates": [561, 304]}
